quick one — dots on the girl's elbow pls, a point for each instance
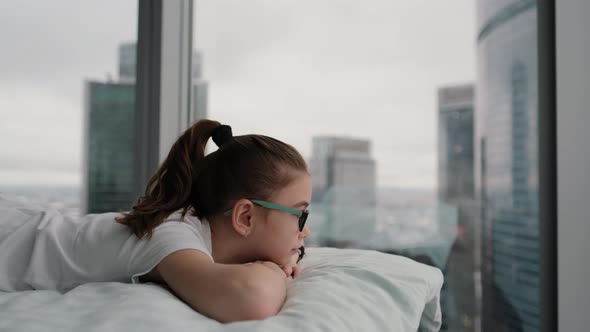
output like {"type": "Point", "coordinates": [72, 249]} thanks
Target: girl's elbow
{"type": "Point", "coordinates": [264, 302]}
{"type": "Point", "coordinates": [258, 311]}
{"type": "Point", "coordinates": [247, 310]}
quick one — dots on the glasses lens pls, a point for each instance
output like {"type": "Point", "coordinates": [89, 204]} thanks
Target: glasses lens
{"type": "Point", "coordinates": [302, 220]}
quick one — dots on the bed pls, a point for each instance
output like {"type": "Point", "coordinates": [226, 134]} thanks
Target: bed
{"type": "Point", "coordinates": [338, 290]}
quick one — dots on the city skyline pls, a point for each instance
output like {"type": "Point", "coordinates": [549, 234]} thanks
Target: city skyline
{"type": "Point", "coordinates": [421, 123]}
{"type": "Point", "coordinates": [287, 75]}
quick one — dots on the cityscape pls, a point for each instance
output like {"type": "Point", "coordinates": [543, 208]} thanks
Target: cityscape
{"type": "Point", "coordinates": [480, 226]}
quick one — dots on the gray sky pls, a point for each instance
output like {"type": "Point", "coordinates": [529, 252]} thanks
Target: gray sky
{"type": "Point", "coordinates": [288, 69]}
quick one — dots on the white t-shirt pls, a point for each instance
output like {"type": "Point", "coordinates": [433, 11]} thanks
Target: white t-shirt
{"type": "Point", "coordinates": [43, 249]}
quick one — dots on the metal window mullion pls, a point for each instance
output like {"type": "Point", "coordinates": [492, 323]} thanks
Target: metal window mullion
{"type": "Point", "coordinates": [175, 71]}
{"type": "Point", "coordinates": [147, 91]}
{"type": "Point", "coordinates": [164, 47]}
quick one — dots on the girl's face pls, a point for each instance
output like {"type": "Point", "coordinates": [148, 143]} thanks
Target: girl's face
{"type": "Point", "coordinates": [278, 237]}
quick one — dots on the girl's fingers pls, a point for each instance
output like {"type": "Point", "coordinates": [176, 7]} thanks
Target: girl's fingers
{"type": "Point", "coordinates": [296, 271]}
{"type": "Point", "coordinates": [288, 270]}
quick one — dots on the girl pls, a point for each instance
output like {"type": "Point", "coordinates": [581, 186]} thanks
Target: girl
{"type": "Point", "coordinates": [222, 231]}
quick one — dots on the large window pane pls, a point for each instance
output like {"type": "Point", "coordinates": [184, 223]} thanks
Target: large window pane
{"type": "Point", "coordinates": [507, 134]}
{"type": "Point", "coordinates": [66, 102]}
{"type": "Point", "coordinates": [418, 121]}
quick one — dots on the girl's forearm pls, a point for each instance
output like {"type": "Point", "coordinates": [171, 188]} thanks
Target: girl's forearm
{"type": "Point", "coordinates": [262, 290]}
{"type": "Point", "coordinates": [249, 292]}
{"type": "Point", "coordinates": [225, 292]}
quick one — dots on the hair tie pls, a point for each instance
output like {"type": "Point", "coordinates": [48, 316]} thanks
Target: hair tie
{"type": "Point", "coordinates": [221, 135]}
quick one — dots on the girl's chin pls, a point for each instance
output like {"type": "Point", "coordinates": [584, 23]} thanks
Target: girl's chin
{"type": "Point", "coordinates": [289, 258]}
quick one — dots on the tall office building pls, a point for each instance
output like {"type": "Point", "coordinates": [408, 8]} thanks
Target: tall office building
{"type": "Point", "coordinates": [455, 142]}
{"type": "Point", "coordinates": [109, 146]}
{"type": "Point", "coordinates": [456, 189]}
{"type": "Point", "coordinates": [344, 187]}
{"type": "Point", "coordinates": [199, 89]}
{"type": "Point", "coordinates": [507, 164]}
{"type": "Point", "coordinates": [127, 60]}
{"type": "Point", "coordinates": [109, 184]}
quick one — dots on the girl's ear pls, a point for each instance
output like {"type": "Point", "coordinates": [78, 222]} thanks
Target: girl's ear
{"type": "Point", "coordinates": [241, 218]}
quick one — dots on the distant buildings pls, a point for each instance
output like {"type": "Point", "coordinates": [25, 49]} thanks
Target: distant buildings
{"type": "Point", "coordinates": [507, 164]}
{"type": "Point", "coordinates": [109, 146]}
{"type": "Point", "coordinates": [109, 182]}
{"type": "Point", "coordinates": [200, 89]}
{"type": "Point", "coordinates": [456, 191]}
{"type": "Point", "coordinates": [455, 143]}
{"type": "Point", "coordinates": [344, 187]}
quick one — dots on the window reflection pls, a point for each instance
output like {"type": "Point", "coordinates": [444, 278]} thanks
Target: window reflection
{"type": "Point", "coordinates": [507, 133]}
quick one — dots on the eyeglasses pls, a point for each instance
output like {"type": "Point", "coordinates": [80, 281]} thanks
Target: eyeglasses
{"type": "Point", "coordinates": [273, 206]}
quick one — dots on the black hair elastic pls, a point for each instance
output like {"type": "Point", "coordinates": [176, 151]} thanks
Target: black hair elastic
{"type": "Point", "coordinates": [221, 135]}
{"type": "Point", "coordinates": [301, 253]}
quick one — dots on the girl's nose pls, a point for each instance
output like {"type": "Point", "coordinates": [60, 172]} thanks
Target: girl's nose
{"type": "Point", "coordinates": [305, 232]}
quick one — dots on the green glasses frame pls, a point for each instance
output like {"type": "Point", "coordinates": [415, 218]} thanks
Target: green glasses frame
{"type": "Point", "coordinates": [273, 206]}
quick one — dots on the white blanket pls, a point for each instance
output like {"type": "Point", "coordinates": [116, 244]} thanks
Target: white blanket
{"type": "Point", "coordinates": [339, 290]}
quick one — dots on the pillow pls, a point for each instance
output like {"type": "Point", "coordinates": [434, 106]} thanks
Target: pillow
{"type": "Point", "coordinates": [338, 290]}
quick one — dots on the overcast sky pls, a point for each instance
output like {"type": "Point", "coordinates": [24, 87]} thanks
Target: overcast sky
{"type": "Point", "coordinates": [288, 69]}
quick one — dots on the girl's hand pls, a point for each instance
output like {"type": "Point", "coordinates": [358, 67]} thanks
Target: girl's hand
{"type": "Point", "coordinates": [270, 265]}
{"type": "Point", "coordinates": [291, 269]}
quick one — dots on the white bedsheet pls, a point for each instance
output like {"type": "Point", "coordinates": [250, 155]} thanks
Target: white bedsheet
{"type": "Point", "coordinates": [339, 290]}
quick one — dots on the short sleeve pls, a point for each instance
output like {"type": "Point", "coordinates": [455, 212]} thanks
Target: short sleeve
{"type": "Point", "coordinates": [169, 237]}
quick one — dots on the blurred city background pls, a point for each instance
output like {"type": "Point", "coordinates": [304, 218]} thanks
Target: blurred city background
{"type": "Point", "coordinates": [418, 121]}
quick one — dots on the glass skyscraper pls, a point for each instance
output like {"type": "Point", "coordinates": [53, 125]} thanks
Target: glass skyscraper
{"type": "Point", "coordinates": [456, 189]}
{"type": "Point", "coordinates": [455, 141]}
{"type": "Point", "coordinates": [110, 144]}
{"type": "Point", "coordinates": [344, 191]}
{"type": "Point", "coordinates": [109, 181]}
{"type": "Point", "coordinates": [507, 158]}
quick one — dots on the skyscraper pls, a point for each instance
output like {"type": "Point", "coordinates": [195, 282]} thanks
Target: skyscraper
{"type": "Point", "coordinates": [456, 189]}
{"type": "Point", "coordinates": [455, 142]}
{"type": "Point", "coordinates": [344, 187]}
{"type": "Point", "coordinates": [507, 164]}
{"type": "Point", "coordinates": [127, 60]}
{"type": "Point", "coordinates": [199, 89]}
{"type": "Point", "coordinates": [109, 147]}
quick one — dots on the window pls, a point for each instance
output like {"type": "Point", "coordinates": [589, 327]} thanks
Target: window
{"type": "Point", "coordinates": [418, 121]}
{"type": "Point", "coordinates": [67, 103]}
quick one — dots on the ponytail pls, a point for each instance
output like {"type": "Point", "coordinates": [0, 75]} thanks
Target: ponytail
{"type": "Point", "coordinates": [170, 188]}
{"type": "Point", "coordinates": [248, 166]}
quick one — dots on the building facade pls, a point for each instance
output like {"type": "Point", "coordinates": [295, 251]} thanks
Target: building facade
{"type": "Point", "coordinates": [344, 189]}
{"type": "Point", "coordinates": [507, 164]}
{"type": "Point", "coordinates": [109, 147]}
{"type": "Point", "coordinates": [456, 189]}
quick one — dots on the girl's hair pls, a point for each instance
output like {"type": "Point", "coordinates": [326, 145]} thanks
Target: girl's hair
{"type": "Point", "coordinates": [249, 166]}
